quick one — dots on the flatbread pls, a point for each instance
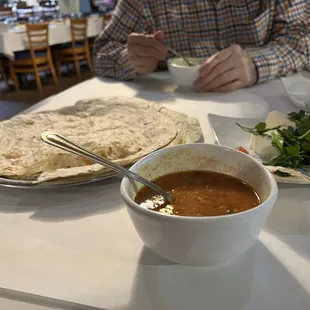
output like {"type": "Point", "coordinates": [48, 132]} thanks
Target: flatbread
{"type": "Point", "coordinates": [293, 173]}
{"type": "Point", "coordinates": [119, 128]}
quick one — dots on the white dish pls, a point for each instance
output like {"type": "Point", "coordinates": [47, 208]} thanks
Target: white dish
{"type": "Point", "coordinates": [201, 240]}
{"type": "Point", "coordinates": [227, 133]}
{"type": "Point", "coordinates": [49, 185]}
{"type": "Point", "coordinates": [183, 75]}
{"type": "Point", "coordinates": [297, 87]}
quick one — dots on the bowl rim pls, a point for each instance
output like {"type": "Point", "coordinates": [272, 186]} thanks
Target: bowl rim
{"type": "Point", "coordinates": [272, 197]}
{"type": "Point", "coordinates": [170, 60]}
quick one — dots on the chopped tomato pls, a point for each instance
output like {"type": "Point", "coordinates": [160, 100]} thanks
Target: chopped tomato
{"type": "Point", "coordinates": [241, 149]}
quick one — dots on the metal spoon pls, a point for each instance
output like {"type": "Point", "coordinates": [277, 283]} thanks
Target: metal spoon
{"type": "Point", "coordinates": [190, 64]}
{"type": "Point", "coordinates": [64, 143]}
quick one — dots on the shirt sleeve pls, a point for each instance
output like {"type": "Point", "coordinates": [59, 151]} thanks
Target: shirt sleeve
{"type": "Point", "coordinates": [110, 52]}
{"type": "Point", "coordinates": [289, 46]}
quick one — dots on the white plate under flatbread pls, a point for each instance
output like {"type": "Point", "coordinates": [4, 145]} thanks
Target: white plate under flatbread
{"type": "Point", "coordinates": [119, 128]}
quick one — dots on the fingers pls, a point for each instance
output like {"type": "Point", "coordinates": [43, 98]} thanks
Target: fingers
{"type": "Point", "coordinates": [220, 80]}
{"type": "Point", "coordinates": [144, 69]}
{"type": "Point", "coordinates": [214, 60]}
{"type": "Point", "coordinates": [227, 70]}
{"type": "Point", "coordinates": [217, 71]}
{"type": "Point", "coordinates": [159, 35]}
{"type": "Point", "coordinates": [144, 64]}
{"type": "Point", "coordinates": [136, 39]}
{"type": "Point", "coordinates": [145, 51]}
{"type": "Point", "coordinates": [142, 59]}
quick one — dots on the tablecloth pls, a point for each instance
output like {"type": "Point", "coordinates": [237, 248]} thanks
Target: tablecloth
{"type": "Point", "coordinates": [15, 39]}
{"type": "Point", "coordinates": [78, 244]}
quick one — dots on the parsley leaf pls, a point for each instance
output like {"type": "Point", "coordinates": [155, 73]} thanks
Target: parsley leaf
{"type": "Point", "coordinates": [292, 143]}
{"type": "Point", "coordinates": [259, 130]}
{"type": "Point", "coordinates": [281, 173]}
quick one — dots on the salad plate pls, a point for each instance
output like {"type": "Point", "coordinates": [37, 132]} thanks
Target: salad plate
{"type": "Point", "coordinates": [226, 132]}
{"type": "Point", "coordinates": [297, 87]}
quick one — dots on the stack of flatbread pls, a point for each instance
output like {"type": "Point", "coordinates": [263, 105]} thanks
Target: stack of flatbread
{"type": "Point", "coordinates": [119, 128]}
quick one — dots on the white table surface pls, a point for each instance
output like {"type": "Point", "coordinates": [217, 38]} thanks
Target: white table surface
{"type": "Point", "coordinates": [61, 249]}
{"type": "Point", "coordinates": [15, 39]}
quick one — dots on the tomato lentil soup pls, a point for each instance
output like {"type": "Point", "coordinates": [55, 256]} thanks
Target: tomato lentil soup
{"type": "Point", "coordinates": [200, 193]}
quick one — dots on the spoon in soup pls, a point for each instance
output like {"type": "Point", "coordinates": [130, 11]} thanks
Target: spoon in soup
{"type": "Point", "coordinates": [174, 52]}
{"type": "Point", "coordinates": [64, 143]}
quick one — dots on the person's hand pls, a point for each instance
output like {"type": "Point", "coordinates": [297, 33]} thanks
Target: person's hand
{"type": "Point", "coordinates": [227, 70]}
{"type": "Point", "coordinates": [145, 51]}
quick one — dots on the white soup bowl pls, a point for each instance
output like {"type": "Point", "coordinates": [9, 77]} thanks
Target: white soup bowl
{"type": "Point", "coordinates": [201, 240]}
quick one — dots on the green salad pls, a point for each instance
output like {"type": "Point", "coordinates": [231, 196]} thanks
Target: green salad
{"type": "Point", "coordinates": [292, 143]}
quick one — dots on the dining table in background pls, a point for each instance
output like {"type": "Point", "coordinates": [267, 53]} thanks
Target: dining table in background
{"type": "Point", "coordinates": [14, 38]}
{"type": "Point", "coordinates": [76, 248]}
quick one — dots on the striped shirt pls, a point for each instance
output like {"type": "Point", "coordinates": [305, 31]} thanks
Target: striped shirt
{"type": "Point", "coordinates": [274, 33]}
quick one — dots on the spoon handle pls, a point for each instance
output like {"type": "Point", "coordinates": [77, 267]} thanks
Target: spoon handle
{"type": "Point", "coordinates": [180, 56]}
{"type": "Point", "coordinates": [65, 144]}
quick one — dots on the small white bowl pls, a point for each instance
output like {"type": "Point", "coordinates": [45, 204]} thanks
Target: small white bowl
{"type": "Point", "coordinates": [201, 240]}
{"type": "Point", "coordinates": [183, 75]}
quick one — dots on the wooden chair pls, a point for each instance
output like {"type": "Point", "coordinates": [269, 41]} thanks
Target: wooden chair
{"type": "Point", "coordinates": [5, 12]}
{"type": "Point", "coordinates": [77, 50]}
{"type": "Point", "coordinates": [3, 71]}
{"type": "Point", "coordinates": [37, 59]}
{"type": "Point", "coordinates": [91, 44]}
{"type": "Point", "coordinates": [106, 19]}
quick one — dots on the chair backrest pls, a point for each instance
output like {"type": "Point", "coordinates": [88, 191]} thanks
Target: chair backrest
{"type": "Point", "coordinates": [38, 37]}
{"type": "Point", "coordinates": [78, 30]}
{"type": "Point", "coordinates": [106, 19]}
{"type": "Point", "coordinates": [6, 11]}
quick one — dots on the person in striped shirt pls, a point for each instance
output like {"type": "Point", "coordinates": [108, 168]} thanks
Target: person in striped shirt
{"type": "Point", "coordinates": [244, 41]}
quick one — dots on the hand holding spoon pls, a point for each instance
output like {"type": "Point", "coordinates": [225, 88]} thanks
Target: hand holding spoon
{"type": "Point", "coordinates": [64, 143]}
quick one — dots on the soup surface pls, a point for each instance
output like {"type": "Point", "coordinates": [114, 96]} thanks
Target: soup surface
{"type": "Point", "coordinates": [200, 193]}
{"type": "Point", "coordinates": [181, 63]}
